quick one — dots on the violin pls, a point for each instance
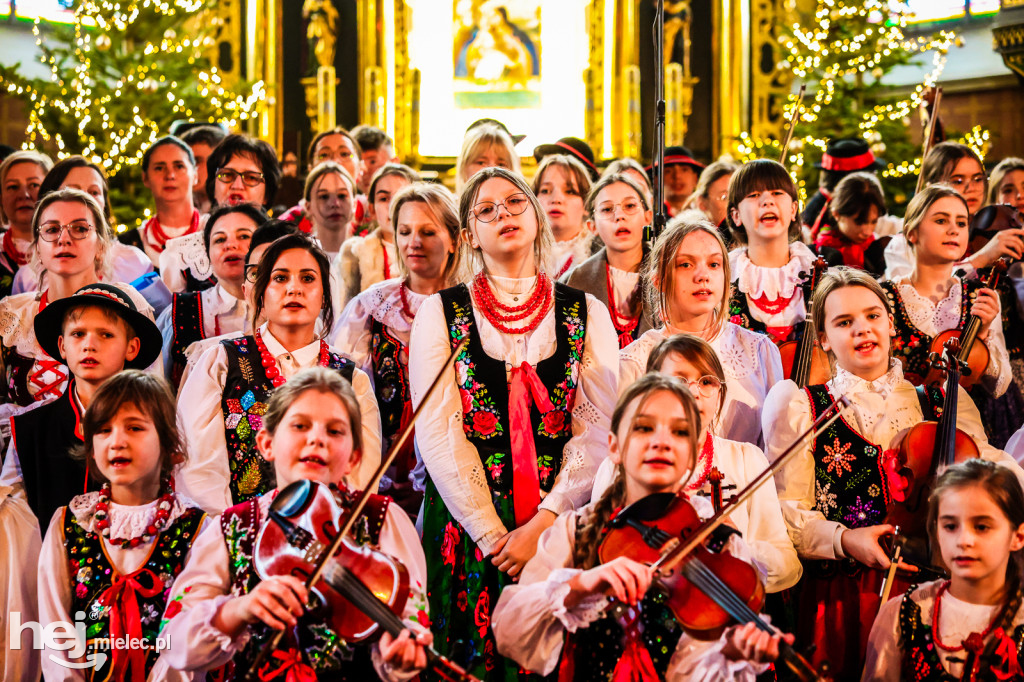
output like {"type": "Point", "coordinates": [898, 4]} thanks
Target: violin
{"type": "Point", "coordinates": [711, 590]}
{"type": "Point", "coordinates": [804, 361]}
{"type": "Point", "coordinates": [364, 589]}
{"type": "Point", "coordinates": [990, 220]}
{"type": "Point", "coordinates": [307, 535]}
{"type": "Point", "coordinates": [926, 450]}
{"type": "Point", "coordinates": [973, 355]}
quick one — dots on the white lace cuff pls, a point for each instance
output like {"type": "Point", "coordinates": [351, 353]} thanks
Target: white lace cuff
{"type": "Point", "coordinates": [584, 613]}
{"type": "Point", "coordinates": [715, 665]}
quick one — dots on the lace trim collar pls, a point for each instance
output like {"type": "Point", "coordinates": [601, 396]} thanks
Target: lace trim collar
{"type": "Point", "coordinates": [189, 253]}
{"type": "Point", "coordinates": [758, 281]}
{"type": "Point", "coordinates": [847, 383]}
{"type": "Point", "coordinates": [125, 521]}
{"type": "Point", "coordinates": [919, 301]}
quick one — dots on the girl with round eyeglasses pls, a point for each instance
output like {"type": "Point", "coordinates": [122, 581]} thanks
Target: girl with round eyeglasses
{"type": "Point", "coordinates": [538, 371]}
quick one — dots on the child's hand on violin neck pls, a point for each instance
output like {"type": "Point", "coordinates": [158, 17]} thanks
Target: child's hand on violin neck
{"type": "Point", "coordinates": [276, 601]}
{"type": "Point", "coordinates": [622, 578]}
{"type": "Point", "coordinates": [986, 307]}
{"type": "Point", "coordinates": [749, 643]}
{"type": "Point", "coordinates": [405, 653]}
{"type": "Point", "coordinates": [1004, 243]}
{"type": "Point", "coordinates": [512, 551]}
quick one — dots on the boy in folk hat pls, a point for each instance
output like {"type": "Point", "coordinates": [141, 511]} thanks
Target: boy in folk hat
{"type": "Point", "coordinates": [681, 174]}
{"type": "Point", "coordinates": [97, 332]}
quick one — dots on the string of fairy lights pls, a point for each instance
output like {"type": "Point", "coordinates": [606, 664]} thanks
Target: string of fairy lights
{"type": "Point", "coordinates": [823, 55]}
{"type": "Point", "coordinates": [87, 98]}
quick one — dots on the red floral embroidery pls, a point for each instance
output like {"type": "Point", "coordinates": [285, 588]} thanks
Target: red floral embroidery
{"type": "Point", "coordinates": [173, 609]}
{"type": "Point", "coordinates": [467, 401]}
{"type": "Point", "coordinates": [462, 601]}
{"type": "Point", "coordinates": [484, 423]}
{"type": "Point", "coordinates": [482, 615]}
{"type": "Point", "coordinates": [422, 618]}
{"type": "Point", "coordinates": [451, 539]}
{"type": "Point", "coordinates": [554, 421]}
{"type": "Point", "coordinates": [839, 457]}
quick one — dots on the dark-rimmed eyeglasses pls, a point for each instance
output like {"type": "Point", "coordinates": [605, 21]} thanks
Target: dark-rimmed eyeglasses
{"type": "Point", "coordinates": [249, 178]}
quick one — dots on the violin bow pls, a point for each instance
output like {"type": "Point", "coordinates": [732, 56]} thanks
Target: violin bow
{"type": "Point", "coordinates": [794, 118]}
{"type": "Point", "coordinates": [929, 135]}
{"type": "Point", "coordinates": [683, 549]}
{"type": "Point", "coordinates": [360, 502]}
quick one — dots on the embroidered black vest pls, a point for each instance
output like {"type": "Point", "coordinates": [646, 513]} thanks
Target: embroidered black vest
{"type": "Point", "coordinates": [187, 326]}
{"type": "Point", "coordinates": [911, 345]}
{"type": "Point", "coordinates": [320, 647]}
{"type": "Point", "coordinates": [483, 386]}
{"type": "Point", "coordinates": [43, 438]}
{"type": "Point", "coordinates": [390, 378]}
{"type": "Point", "coordinates": [92, 574]}
{"type": "Point", "coordinates": [243, 404]}
{"type": "Point", "coordinates": [921, 660]}
{"type": "Point", "coordinates": [597, 648]}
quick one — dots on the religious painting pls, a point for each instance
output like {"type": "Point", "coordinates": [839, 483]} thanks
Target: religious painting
{"type": "Point", "coordinates": [497, 53]}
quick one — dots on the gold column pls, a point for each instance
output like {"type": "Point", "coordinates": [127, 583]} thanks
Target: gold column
{"type": "Point", "coordinates": [731, 73]}
{"type": "Point", "coordinates": [625, 81]}
{"type": "Point", "coordinates": [263, 45]}
{"type": "Point", "coordinates": [770, 85]}
{"type": "Point", "coordinates": [593, 76]}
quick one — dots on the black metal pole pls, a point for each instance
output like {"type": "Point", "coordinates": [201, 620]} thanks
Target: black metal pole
{"type": "Point", "coordinates": [658, 155]}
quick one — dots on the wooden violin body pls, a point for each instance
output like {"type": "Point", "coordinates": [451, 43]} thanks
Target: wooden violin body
{"type": "Point", "coordinates": [804, 361]}
{"type": "Point", "coordinates": [315, 515]}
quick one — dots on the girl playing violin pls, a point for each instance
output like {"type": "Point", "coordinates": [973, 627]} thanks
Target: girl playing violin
{"type": "Point", "coordinates": [556, 616]}
{"type": "Point", "coordinates": [688, 289]}
{"type": "Point", "coordinates": [724, 466]}
{"type": "Point", "coordinates": [311, 431]}
{"type": "Point", "coordinates": [834, 492]}
{"type": "Point", "coordinates": [618, 209]}
{"type": "Point", "coordinates": [114, 555]}
{"type": "Point", "coordinates": [769, 265]}
{"type": "Point", "coordinates": [972, 623]}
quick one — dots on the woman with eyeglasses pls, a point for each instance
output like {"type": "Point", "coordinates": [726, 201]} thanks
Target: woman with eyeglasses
{"type": "Point", "coordinates": [365, 261]}
{"type": "Point", "coordinates": [687, 288]}
{"type": "Point", "coordinates": [21, 175]}
{"type": "Point", "coordinates": [225, 394]}
{"type": "Point", "coordinates": [618, 209]}
{"type": "Point", "coordinates": [522, 419]}
{"type": "Point", "coordinates": [71, 242]}
{"type": "Point", "coordinates": [724, 467]}
{"type": "Point", "coordinates": [374, 329]}
{"type": "Point", "coordinates": [221, 309]}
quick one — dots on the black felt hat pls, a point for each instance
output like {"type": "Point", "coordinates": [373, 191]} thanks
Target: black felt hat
{"type": "Point", "coordinates": [848, 155]}
{"type": "Point", "coordinates": [572, 146]}
{"type": "Point", "coordinates": [516, 139]}
{"type": "Point", "coordinates": [50, 321]}
{"type": "Point", "coordinates": [679, 156]}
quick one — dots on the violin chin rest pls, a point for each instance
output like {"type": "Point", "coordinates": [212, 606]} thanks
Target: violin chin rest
{"type": "Point", "coordinates": [290, 500]}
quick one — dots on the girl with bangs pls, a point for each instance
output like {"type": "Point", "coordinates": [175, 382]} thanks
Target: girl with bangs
{"type": "Point", "coordinates": [769, 265]}
{"type": "Point", "coordinates": [375, 327]}
{"type": "Point", "coordinates": [932, 300]}
{"type": "Point", "coordinates": [687, 284]}
{"type": "Point", "coordinates": [486, 144]}
{"type": "Point", "coordinates": [619, 210]}
{"type": "Point", "coordinates": [224, 397]}
{"type": "Point", "coordinates": [561, 185]}
{"type": "Point", "coordinates": [556, 617]}
{"type": "Point", "coordinates": [522, 416]}
{"type": "Point", "coordinates": [836, 490]}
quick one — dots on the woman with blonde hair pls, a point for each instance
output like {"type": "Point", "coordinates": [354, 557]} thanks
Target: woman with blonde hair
{"type": "Point", "coordinates": [21, 175]}
{"type": "Point", "coordinates": [687, 289]}
{"type": "Point", "coordinates": [485, 145]}
{"type": "Point", "coordinates": [521, 420]}
{"type": "Point", "coordinates": [375, 326]}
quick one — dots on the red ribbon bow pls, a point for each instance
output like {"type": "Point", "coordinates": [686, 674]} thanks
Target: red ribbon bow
{"type": "Point", "coordinates": [525, 389]}
{"type": "Point", "coordinates": [636, 664]}
{"type": "Point", "coordinates": [123, 599]}
{"type": "Point", "coordinates": [853, 254]}
{"type": "Point", "coordinates": [292, 667]}
{"type": "Point", "coordinates": [1004, 659]}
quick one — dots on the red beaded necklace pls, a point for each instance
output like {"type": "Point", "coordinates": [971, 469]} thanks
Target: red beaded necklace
{"type": "Point", "coordinates": [270, 364]}
{"type": "Point", "coordinates": [935, 622]}
{"type": "Point", "coordinates": [707, 456]}
{"type": "Point", "coordinates": [537, 305]}
{"type": "Point", "coordinates": [157, 526]}
{"type": "Point", "coordinates": [156, 236]}
{"type": "Point", "coordinates": [624, 326]}
{"type": "Point", "coordinates": [11, 250]}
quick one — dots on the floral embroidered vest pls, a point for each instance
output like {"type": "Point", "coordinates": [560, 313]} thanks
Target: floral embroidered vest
{"type": "Point", "coordinates": [483, 386]}
{"type": "Point", "coordinates": [187, 327]}
{"type": "Point", "coordinates": [921, 661]}
{"type": "Point", "coordinates": [912, 345]}
{"type": "Point", "coordinates": [312, 644]}
{"type": "Point", "coordinates": [243, 404]}
{"type": "Point", "coordinates": [591, 653]}
{"type": "Point", "coordinates": [92, 575]}
{"type": "Point", "coordinates": [390, 378]}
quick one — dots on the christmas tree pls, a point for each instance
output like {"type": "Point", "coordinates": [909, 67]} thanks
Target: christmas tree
{"type": "Point", "coordinates": [843, 55]}
{"type": "Point", "coordinates": [121, 74]}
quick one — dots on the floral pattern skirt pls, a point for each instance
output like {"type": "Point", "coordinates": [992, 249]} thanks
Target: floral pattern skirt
{"type": "Point", "coordinates": [463, 588]}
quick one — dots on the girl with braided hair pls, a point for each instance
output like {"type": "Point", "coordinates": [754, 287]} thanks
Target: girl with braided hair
{"type": "Point", "coordinates": [973, 622]}
{"type": "Point", "coordinates": [555, 617]}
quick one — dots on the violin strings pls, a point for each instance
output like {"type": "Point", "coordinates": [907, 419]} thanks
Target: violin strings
{"type": "Point", "coordinates": [356, 591]}
{"type": "Point", "coordinates": [709, 583]}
